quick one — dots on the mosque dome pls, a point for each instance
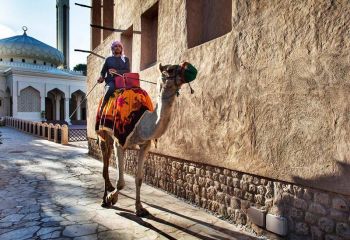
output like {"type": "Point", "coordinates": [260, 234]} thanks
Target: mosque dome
{"type": "Point", "coordinates": [28, 48]}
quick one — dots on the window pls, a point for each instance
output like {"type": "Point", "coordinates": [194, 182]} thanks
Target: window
{"type": "Point", "coordinates": [29, 100]}
{"type": "Point", "coordinates": [44, 63]}
{"type": "Point", "coordinates": [127, 38]}
{"type": "Point", "coordinates": [11, 60]}
{"type": "Point", "coordinates": [108, 17]}
{"type": "Point", "coordinates": [207, 19]}
{"type": "Point", "coordinates": [149, 34]}
{"type": "Point", "coordinates": [23, 60]}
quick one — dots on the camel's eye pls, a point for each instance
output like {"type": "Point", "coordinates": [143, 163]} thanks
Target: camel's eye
{"type": "Point", "coordinates": [172, 71]}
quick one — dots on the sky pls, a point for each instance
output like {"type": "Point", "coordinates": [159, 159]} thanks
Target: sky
{"type": "Point", "coordinates": [39, 16]}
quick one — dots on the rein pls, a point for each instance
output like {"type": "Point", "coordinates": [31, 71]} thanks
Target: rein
{"type": "Point", "coordinates": [178, 71]}
{"type": "Point", "coordinates": [134, 78]}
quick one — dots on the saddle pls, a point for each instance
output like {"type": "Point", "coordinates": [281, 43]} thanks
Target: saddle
{"type": "Point", "coordinates": [128, 81]}
{"type": "Point", "coordinates": [123, 110]}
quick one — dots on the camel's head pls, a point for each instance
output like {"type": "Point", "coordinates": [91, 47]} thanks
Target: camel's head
{"type": "Point", "coordinates": [176, 75]}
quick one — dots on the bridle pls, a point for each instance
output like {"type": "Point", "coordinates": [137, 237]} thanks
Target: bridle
{"type": "Point", "coordinates": [180, 70]}
{"type": "Point", "coordinates": [177, 71]}
{"type": "Point", "coordinates": [177, 82]}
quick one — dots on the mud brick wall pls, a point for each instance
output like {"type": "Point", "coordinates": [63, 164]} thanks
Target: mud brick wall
{"type": "Point", "coordinates": [271, 100]}
{"type": "Point", "coordinates": [310, 213]}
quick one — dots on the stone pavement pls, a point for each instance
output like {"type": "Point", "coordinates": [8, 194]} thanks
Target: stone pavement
{"type": "Point", "coordinates": [51, 191]}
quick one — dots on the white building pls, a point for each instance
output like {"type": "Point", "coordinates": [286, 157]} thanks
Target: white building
{"type": "Point", "coordinates": [31, 85]}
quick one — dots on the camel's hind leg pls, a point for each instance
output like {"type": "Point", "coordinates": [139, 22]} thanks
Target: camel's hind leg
{"type": "Point", "coordinates": [140, 211]}
{"type": "Point", "coordinates": [112, 197]}
{"type": "Point", "coordinates": [106, 149]}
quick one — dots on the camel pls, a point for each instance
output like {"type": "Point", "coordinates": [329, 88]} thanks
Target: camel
{"type": "Point", "coordinates": [151, 126]}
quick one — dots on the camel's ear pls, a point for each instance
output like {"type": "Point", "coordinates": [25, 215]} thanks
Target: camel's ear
{"type": "Point", "coordinates": [160, 67]}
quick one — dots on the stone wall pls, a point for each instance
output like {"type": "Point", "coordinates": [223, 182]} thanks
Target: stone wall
{"type": "Point", "coordinates": [309, 213]}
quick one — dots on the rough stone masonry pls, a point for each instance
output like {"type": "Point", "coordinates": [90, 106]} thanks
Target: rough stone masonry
{"type": "Point", "coordinates": [310, 213]}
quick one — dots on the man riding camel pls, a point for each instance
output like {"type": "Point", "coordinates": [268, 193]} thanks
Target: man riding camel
{"type": "Point", "coordinates": [118, 63]}
{"type": "Point", "coordinates": [124, 101]}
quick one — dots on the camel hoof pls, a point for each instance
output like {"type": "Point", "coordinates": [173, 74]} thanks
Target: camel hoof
{"type": "Point", "coordinates": [104, 204]}
{"type": "Point", "coordinates": [112, 198]}
{"type": "Point", "coordinates": [142, 212]}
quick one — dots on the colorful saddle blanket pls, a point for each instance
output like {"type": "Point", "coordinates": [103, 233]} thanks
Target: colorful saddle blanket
{"type": "Point", "coordinates": [122, 112]}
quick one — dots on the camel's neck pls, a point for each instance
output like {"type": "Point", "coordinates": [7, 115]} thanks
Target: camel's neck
{"type": "Point", "coordinates": [157, 122]}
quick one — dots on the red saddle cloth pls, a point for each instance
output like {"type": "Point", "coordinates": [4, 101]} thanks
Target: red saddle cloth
{"type": "Point", "coordinates": [122, 111]}
{"type": "Point", "coordinates": [129, 80]}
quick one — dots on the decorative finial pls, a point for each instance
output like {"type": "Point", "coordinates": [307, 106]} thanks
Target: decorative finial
{"type": "Point", "coordinates": [24, 28]}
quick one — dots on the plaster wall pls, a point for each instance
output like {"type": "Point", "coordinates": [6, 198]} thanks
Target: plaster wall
{"type": "Point", "coordinates": [271, 96]}
{"type": "Point", "coordinates": [33, 116]}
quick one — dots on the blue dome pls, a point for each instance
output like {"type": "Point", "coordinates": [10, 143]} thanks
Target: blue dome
{"type": "Point", "coordinates": [23, 46]}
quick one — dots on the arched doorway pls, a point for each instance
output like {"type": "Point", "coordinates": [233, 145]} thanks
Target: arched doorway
{"type": "Point", "coordinates": [80, 106]}
{"type": "Point", "coordinates": [2, 104]}
{"type": "Point", "coordinates": [54, 105]}
{"type": "Point", "coordinates": [48, 109]}
{"type": "Point", "coordinates": [8, 102]}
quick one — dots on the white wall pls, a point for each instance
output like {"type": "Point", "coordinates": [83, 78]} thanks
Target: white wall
{"type": "Point", "coordinates": [34, 116]}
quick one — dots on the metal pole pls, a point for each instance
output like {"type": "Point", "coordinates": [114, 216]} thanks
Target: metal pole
{"type": "Point", "coordinates": [83, 5]}
{"type": "Point", "coordinates": [112, 29]}
{"type": "Point", "coordinates": [86, 51]}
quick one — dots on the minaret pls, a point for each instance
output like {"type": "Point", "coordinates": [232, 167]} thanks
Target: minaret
{"type": "Point", "coordinates": [62, 29]}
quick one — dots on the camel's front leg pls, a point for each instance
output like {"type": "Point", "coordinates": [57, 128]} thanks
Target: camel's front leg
{"type": "Point", "coordinates": [106, 153]}
{"type": "Point", "coordinates": [120, 155]}
{"type": "Point", "coordinates": [140, 211]}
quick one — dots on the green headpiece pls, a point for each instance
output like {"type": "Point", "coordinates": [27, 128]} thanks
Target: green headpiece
{"type": "Point", "coordinates": [189, 72]}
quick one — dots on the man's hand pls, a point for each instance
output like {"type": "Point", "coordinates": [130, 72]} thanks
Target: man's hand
{"type": "Point", "coordinates": [100, 80]}
{"type": "Point", "coordinates": [112, 71]}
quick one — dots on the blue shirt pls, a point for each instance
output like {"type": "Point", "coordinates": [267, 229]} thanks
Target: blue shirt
{"type": "Point", "coordinates": [116, 63]}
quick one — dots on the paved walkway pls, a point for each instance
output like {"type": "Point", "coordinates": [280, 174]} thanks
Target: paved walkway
{"type": "Point", "coordinates": [51, 191]}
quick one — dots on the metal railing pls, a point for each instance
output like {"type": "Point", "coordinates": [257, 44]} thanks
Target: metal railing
{"type": "Point", "coordinates": [75, 135]}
